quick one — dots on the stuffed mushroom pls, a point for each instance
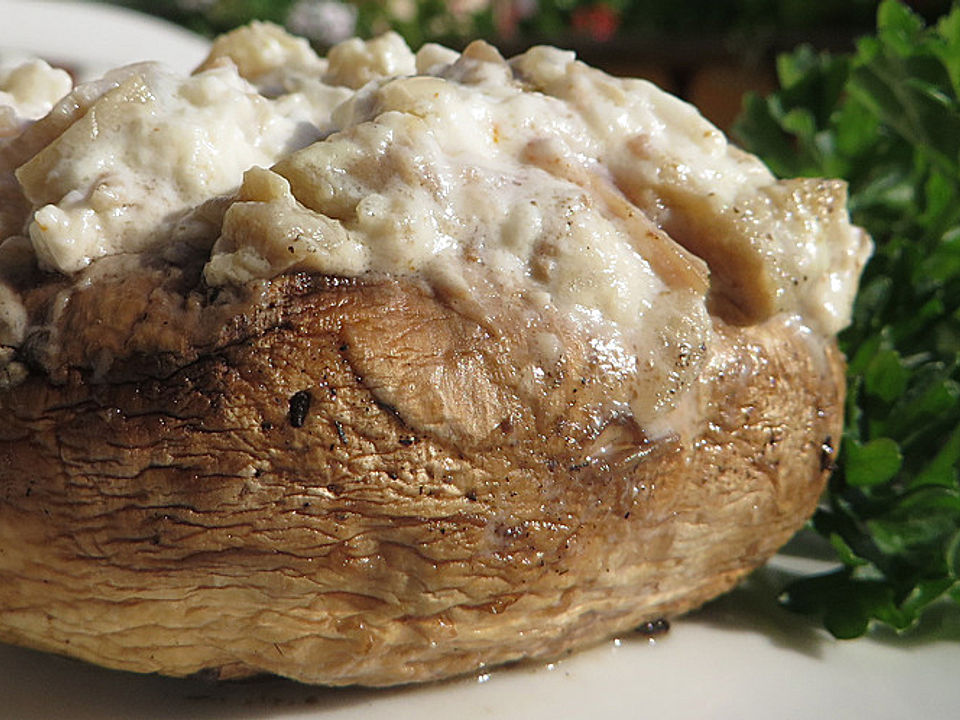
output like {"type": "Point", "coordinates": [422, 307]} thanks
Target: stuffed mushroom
{"type": "Point", "coordinates": [385, 367]}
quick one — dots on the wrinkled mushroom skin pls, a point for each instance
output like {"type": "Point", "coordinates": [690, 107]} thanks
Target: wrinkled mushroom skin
{"type": "Point", "coordinates": [289, 501]}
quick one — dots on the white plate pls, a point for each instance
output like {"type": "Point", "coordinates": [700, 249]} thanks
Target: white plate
{"type": "Point", "coordinates": [89, 38]}
{"type": "Point", "coordinates": [742, 657]}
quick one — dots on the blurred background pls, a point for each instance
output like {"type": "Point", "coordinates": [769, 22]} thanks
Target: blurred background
{"type": "Point", "coordinates": [708, 51]}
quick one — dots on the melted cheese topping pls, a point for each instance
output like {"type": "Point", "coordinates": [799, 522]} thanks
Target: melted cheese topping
{"type": "Point", "coordinates": [539, 178]}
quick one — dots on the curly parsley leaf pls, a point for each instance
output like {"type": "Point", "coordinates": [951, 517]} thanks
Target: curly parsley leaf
{"type": "Point", "coordinates": [887, 119]}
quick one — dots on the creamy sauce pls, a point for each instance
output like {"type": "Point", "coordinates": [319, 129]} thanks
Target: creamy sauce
{"type": "Point", "coordinates": [538, 178]}
{"type": "Point", "coordinates": [120, 178]}
{"type": "Point", "coordinates": [28, 92]}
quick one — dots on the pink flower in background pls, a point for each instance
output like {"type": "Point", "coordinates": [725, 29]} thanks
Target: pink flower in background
{"type": "Point", "coordinates": [325, 21]}
{"type": "Point", "coordinates": [599, 22]}
{"type": "Point", "coordinates": [507, 15]}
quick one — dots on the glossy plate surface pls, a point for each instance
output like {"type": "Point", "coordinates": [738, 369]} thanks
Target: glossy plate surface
{"type": "Point", "coordinates": [89, 37]}
{"type": "Point", "coordinates": [741, 657]}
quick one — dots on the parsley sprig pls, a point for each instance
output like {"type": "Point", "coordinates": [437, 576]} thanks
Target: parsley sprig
{"type": "Point", "coordinates": [887, 119]}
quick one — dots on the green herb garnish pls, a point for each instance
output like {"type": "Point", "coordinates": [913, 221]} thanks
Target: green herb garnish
{"type": "Point", "coordinates": [887, 119]}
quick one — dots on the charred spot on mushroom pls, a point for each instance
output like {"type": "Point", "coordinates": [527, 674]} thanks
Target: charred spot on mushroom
{"type": "Point", "coordinates": [299, 408]}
